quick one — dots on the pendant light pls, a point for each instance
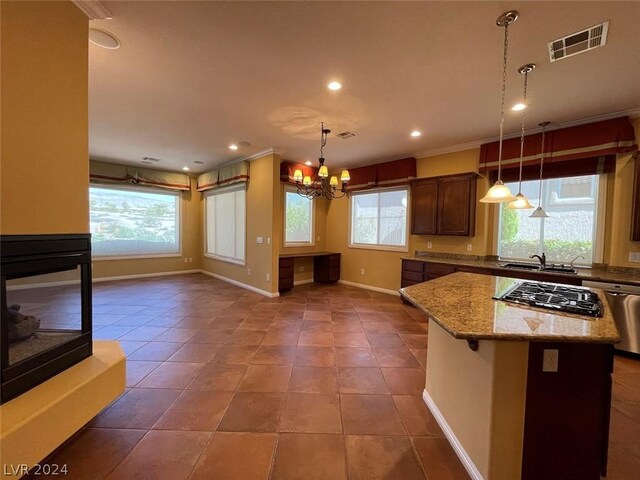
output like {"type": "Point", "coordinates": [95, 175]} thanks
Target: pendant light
{"type": "Point", "coordinates": [522, 202]}
{"type": "Point", "coordinates": [500, 193]}
{"type": "Point", "coordinates": [539, 212]}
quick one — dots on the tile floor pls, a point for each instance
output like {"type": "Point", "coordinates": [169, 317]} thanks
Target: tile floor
{"type": "Point", "coordinates": [323, 383]}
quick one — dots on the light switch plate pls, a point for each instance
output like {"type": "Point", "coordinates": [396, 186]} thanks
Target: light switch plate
{"type": "Point", "coordinates": [259, 240]}
{"type": "Point", "coordinates": [550, 360]}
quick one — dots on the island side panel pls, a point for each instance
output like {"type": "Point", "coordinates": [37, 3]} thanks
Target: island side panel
{"type": "Point", "coordinates": [481, 396]}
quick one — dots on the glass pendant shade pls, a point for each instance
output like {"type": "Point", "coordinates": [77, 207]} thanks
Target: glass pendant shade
{"type": "Point", "coordinates": [520, 203]}
{"type": "Point", "coordinates": [333, 181]}
{"type": "Point", "coordinates": [539, 213]}
{"type": "Point", "coordinates": [345, 176]}
{"type": "Point", "coordinates": [307, 180]}
{"type": "Point", "coordinates": [297, 176]}
{"type": "Point", "coordinates": [499, 193]}
{"type": "Point", "coordinates": [323, 172]}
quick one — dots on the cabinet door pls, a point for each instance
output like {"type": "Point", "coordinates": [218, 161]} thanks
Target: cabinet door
{"type": "Point", "coordinates": [424, 207]}
{"type": "Point", "coordinates": [456, 205]}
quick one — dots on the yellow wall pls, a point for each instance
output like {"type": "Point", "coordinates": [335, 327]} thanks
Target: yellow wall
{"type": "Point", "coordinates": [191, 238]}
{"type": "Point", "coordinates": [44, 167]}
{"type": "Point", "coordinates": [382, 268]}
{"type": "Point", "coordinates": [618, 242]}
{"type": "Point", "coordinates": [262, 201]}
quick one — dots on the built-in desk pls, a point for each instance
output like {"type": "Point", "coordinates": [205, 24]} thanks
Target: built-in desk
{"type": "Point", "coordinates": [326, 268]}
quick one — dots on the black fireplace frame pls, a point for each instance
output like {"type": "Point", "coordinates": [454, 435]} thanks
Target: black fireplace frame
{"type": "Point", "coordinates": [29, 255]}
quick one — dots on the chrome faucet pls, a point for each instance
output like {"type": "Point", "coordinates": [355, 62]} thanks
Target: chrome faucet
{"type": "Point", "coordinates": [579, 256]}
{"type": "Point", "coordinates": [542, 259]}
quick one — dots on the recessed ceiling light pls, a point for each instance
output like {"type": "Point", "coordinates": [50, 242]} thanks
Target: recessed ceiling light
{"type": "Point", "coordinates": [334, 85]}
{"type": "Point", "coordinates": [103, 39]}
{"type": "Point", "coordinates": [308, 163]}
{"type": "Point", "coordinates": [233, 146]}
{"type": "Point", "coordinates": [518, 106]}
{"type": "Point", "coordinates": [416, 133]}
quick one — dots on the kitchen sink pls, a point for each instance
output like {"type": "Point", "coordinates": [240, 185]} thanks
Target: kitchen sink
{"type": "Point", "coordinates": [523, 266]}
{"type": "Point", "coordinates": [559, 269]}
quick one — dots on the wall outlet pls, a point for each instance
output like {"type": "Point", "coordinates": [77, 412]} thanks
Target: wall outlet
{"type": "Point", "coordinates": [268, 277]}
{"type": "Point", "coordinates": [190, 260]}
{"type": "Point", "coordinates": [469, 247]}
{"type": "Point", "coordinates": [259, 240]}
{"type": "Point", "coordinates": [248, 271]}
{"type": "Point", "coordinates": [362, 271]}
{"type": "Point", "coordinates": [185, 260]}
{"type": "Point", "coordinates": [550, 360]}
{"type": "Point", "coordinates": [302, 268]}
{"type": "Point", "coordinates": [318, 238]}
{"type": "Point", "coordinates": [429, 244]}
{"type": "Point", "coordinates": [634, 256]}
{"type": "Point", "coordinates": [268, 240]}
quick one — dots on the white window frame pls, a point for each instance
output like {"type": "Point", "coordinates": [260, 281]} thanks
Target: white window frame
{"type": "Point", "coordinates": [95, 257]}
{"type": "Point", "coordinates": [217, 191]}
{"type": "Point", "coordinates": [285, 244]}
{"type": "Point", "coordinates": [599, 225]}
{"type": "Point", "coordinates": [366, 246]}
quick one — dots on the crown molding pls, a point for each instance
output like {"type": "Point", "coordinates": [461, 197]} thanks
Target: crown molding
{"type": "Point", "coordinates": [93, 9]}
{"type": "Point", "coordinates": [252, 157]}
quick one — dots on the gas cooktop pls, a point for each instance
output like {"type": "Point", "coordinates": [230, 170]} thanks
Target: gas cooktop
{"type": "Point", "coordinates": [555, 297]}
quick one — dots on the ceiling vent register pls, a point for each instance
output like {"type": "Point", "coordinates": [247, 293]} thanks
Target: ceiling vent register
{"type": "Point", "coordinates": [345, 135]}
{"type": "Point", "coordinates": [579, 42]}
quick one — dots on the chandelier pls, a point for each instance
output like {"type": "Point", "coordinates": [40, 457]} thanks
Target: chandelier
{"type": "Point", "coordinates": [321, 185]}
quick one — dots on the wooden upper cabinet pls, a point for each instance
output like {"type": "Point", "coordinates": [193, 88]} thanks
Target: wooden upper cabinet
{"type": "Point", "coordinates": [635, 219]}
{"type": "Point", "coordinates": [424, 207]}
{"type": "Point", "coordinates": [444, 205]}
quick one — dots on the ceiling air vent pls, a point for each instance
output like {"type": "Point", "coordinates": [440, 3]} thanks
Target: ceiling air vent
{"type": "Point", "coordinates": [150, 159]}
{"type": "Point", "coordinates": [578, 42]}
{"type": "Point", "coordinates": [345, 135]}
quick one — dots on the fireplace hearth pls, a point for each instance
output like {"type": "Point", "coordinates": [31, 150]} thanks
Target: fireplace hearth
{"type": "Point", "coordinates": [45, 308]}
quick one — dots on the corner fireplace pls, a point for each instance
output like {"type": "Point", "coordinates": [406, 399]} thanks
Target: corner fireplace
{"type": "Point", "coordinates": [45, 304]}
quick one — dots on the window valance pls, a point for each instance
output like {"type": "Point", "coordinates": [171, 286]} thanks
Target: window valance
{"type": "Point", "coordinates": [107, 173]}
{"type": "Point", "coordinates": [388, 174]}
{"type": "Point", "coordinates": [287, 169]}
{"type": "Point", "coordinates": [229, 175]}
{"type": "Point", "coordinates": [580, 150]}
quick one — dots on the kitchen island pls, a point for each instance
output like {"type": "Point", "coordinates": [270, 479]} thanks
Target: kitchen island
{"type": "Point", "coordinates": [520, 392]}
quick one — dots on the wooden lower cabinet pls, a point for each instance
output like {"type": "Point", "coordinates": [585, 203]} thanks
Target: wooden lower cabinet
{"type": "Point", "coordinates": [285, 274]}
{"type": "Point", "coordinates": [326, 268]}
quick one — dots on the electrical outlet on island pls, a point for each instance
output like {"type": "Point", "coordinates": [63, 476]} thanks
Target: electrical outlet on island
{"type": "Point", "coordinates": [469, 247]}
{"type": "Point", "coordinates": [634, 257]}
{"type": "Point", "coordinates": [429, 244]}
{"type": "Point", "coordinates": [362, 271]}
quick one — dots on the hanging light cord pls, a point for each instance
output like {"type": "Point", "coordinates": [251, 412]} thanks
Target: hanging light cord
{"type": "Point", "coordinates": [504, 89]}
{"type": "Point", "coordinates": [541, 164]}
{"type": "Point", "coordinates": [323, 139]}
{"type": "Point", "coordinates": [524, 116]}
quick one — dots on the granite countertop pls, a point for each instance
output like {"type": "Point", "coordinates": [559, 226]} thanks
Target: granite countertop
{"type": "Point", "coordinates": [628, 276]}
{"type": "Point", "coordinates": [462, 304]}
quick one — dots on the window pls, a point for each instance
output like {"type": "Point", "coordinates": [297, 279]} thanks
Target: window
{"type": "Point", "coordinates": [379, 219]}
{"type": "Point", "coordinates": [298, 218]}
{"type": "Point", "coordinates": [135, 222]}
{"type": "Point", "coordinates": [225, 214]}
{"type": "Point", "coordinates": [572, 204]}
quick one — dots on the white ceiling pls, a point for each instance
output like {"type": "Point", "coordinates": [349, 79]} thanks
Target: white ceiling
{"type": "Point", "coordinates": [193, 77]}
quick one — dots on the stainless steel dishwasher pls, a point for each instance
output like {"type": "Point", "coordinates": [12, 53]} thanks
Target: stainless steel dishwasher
{"type": "Point", "coordinates": [624, 301]}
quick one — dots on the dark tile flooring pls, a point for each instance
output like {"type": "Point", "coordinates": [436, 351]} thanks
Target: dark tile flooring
{"type": "Point", "coordinates": [324, 382]}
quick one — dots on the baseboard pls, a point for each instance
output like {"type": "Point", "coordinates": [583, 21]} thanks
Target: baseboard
{"type": "Point", "coordinates": [468, 464]}
{"type": "Point", "coordinates": [240, 284]}
{"type": "Point", "coordinates": [143, 275]}
{"type": "Point", "coordinates": [302, 282]}
{"type": "Point", "coordinates": [370, 287]}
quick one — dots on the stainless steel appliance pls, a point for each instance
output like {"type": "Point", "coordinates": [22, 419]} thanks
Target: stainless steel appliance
{"type": "Point", "coordinates": [562, 298]}
{"type": "Point", "coordinates": [624, 301]}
